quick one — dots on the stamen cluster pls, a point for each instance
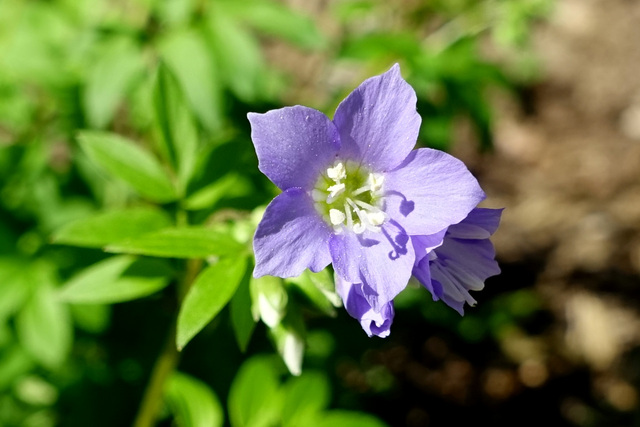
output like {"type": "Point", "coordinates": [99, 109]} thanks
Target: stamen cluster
{"type": "Point", "coordinates": [347, 195]}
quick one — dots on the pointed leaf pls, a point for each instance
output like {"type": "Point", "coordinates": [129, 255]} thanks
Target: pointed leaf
{"type": "Point", "coordinates": [210, 292]}
{"type": "Point", "coordinates": [111, 227]}
{"type": "Point", "coordinates": [243, 73]}
{"type": "Point", "coordinates": [187, 55]}
{"type": "Point", "coordinates": [108, 79]}
{"type": "Point", "coordinates": [14, 285]}
{"type": "Point", "coordinates": [230, 185]}
{"type": "Point", "coordinates": [14, 363]}
{"type": "Point", "coordinates": [254, 397]}
{"type": "Point", "coordinates": [117, 279]}
{"type": "Point", "coordinates": [127, 161]}
{"type": "Point", "coordinates": [278, 20]}
{"type": "Point", "coordinates": [188, 242]}
{"type": "Point", "coordinates": [304, 397]}
{"type": "Point", "coordinates": [44, 327]}
{"type": "Point", "coordinates": [178, 130]}
{"type": "Point", "coordinates": [339, 418]}
{"type": "Point", "coordinates": [93, 318]}
{"type": "Point", "coordinates": [241, 318]}
{"type": "Point", "coordinates": [192, 402]}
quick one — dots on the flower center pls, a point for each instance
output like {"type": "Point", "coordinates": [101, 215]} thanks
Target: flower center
{"type": "Point", "coordinates": [348, 196]}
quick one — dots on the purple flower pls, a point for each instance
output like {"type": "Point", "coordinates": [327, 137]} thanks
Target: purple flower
{"type": "Point", "coordinates": [459, 259]}
{"type": "Point", "coordinates": [355, 192]}
{"type": "Point", "coordinates": [373, 322]}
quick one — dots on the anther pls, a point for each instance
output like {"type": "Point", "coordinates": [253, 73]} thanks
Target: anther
{"type": "Point", "coordinates": [375, 181]}
{"type": "Point", "coordinates": [334, 191]}
{"type": "Point", "coordinates": [359, 228]}
{"type": "Point", "coordinates": [336, 216]}
{"type": "Point", "coordinates": [376, 218]}
{"type": "Point", "coordinates": [337, 172]}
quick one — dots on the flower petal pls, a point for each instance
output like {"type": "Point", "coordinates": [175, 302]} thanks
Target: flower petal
{"type": "Point", "coordinates": [293, 144]}
{"type": "Point", "coordinates": [462, 265]}
{"type": "Point", "coordinates": [469, 261]}
{"type": "Point", "coordinates": [459, 265]}
{"type": "Point", "coordinates": [479, 224]}
{"type": "Point", "coordinates": [373, 323]}
{"type": "Point", "coordinates": [382, 262]}
{"type": "Point", "coordinates": [378, 122]}
{"type": "Point", "coordinates": [291, 237]}
{"type": "Point", "coordinates": [423, 245]}
{"type": "Point", "coordinates": [429, 191]}
{"type": "Point", "coordinates": [422, 273]}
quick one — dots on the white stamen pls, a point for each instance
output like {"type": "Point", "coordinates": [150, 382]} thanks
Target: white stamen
{"type": "Point", "coordinates": [337, 172]}
{"type": "Point", "coordinates": [349, 217]}
{"type": "Point", "coordinates": [336, 216]}
{"type": "Point", "coordinates": [361, 190]}
{"type": "Point", "coordinates": [376, 218]}
{"type": "Point", "coordinates": [353, 205]}
{"type": "Point", "coordinates": [362, 216]}
{"type": "Point", "coordinates": [355, 215]}
{"type": "Point", "coordinates": [366, 206]}
{"type": "Point", "coordinates": [334, 191]}
{"type": "Point", "coordinates": [375, 181]}
{"type": "Point", "coordinates": [359, 228]}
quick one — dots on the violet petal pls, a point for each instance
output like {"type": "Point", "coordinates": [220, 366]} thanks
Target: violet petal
{"type": "Point", "coordinates": [378, 122]}
{"type": "Point", "coordinates": [439, 187]}
{"type": "Point", "coordinates": [294, 145]}
{"type": "Point", "coordinates": [291, 237]}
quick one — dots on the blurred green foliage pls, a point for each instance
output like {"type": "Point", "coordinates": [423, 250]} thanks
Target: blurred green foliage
{"type": "Point", "coordinates": [127, 172]}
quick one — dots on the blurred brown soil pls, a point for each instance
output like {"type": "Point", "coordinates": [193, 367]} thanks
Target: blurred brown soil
{"type": "Point", "coordinates": [567, 168]}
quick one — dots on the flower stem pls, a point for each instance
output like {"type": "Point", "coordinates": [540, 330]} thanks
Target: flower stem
{"type": "Point", "coordinates": [168, 359]}
{"type": "Point", "coordinates": [163, 368]}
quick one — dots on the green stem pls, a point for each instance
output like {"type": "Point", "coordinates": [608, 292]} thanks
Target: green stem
{"type": "Point", "coordinates": [168, 359]}
{"type": "Point", "coordinates": [163, 368]}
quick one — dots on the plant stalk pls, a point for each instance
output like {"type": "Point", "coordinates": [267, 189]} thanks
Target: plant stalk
{"type": "Point", "coordinates": [168, 359]}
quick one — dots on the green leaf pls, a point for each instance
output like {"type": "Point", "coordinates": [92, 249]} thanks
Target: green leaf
{"type": "Point", "coordinates": [242, 320]}
{"type": "Point", "coordinates": [110, 75]}
{"type": "Point", "coordinates": [278, 20]}
{"type": "Point", "coordinates": [192, 402]}
{"type": "Point", "coordinates": [178, 130]}
{"type": "Point", "coordinates": [382, 45]}
{"type": "Point", "coordinates": [14, 363]}
{"type": "Point", "coordinates": [254, 397]}
{"type": "Point", "coordinates": [190, 242]}
{"type": "Point", "coordinates": [243, 73]}
{"type": "Point", "coordinates": [14, 285]}
{"type": "Point", "coordinates": [304, 398]}
{"type": "Point", "coordinates": [230, 185]}
{"type": "Point", "coordinates": [127, 161]}
{"type": "Point", "coordinates": [111, 227]}
{"type": "Point", "coordinates": [44, 327]}
{"type": "Point", "coordinates": [339, 418]}
{"type": "Point", "coordinates": [93, 318]}
{"type": "Point", "coordinates": [188, 56]}
{"type": "Point", "coordinates": [209, 293]}
{"type": "Point", "coordinates": [117, 279]}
